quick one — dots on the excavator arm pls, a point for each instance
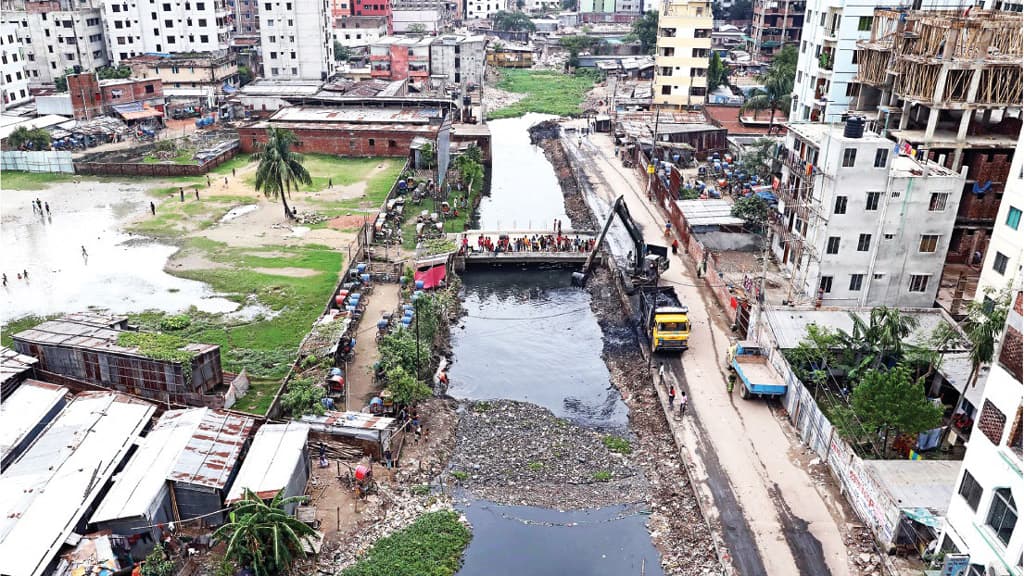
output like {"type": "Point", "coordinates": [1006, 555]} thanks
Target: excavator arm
{"type": "Point", "coordinates": [640, 247]}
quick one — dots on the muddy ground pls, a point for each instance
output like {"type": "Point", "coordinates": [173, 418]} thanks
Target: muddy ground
{"type": "Point", "coordinates": [546, 135]}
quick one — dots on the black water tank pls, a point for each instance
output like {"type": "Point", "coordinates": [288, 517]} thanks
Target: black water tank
{"type": "Point", "coordinates": [854, 127]}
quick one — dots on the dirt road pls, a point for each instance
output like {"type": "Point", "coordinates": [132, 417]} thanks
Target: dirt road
{"type": "Point", "coordinates": [766, 506]}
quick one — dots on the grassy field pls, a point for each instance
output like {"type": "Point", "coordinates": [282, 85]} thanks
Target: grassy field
{"type": "Point", "coordinates": [12, 180]}
{"type": "Point", "coordinates": [548, 92]}
{"type": "Point", "coordinates": [326, 170]}
{"type": "Point", "coordinates": [432, 545]}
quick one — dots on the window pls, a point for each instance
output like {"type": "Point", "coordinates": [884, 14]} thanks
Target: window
{"type": "Point", "coordinates": [833, 245]}
{"type": "Point", "coordinates": [881, 157]}
{"type": "Point", "coordinates": [200, 6]}
{"type": "Point", "coordinates": [372, 142]}
{"type": "Point", "coordinates": [873, 200]}
{"type": "Point", "coordinates": [840, 205]}
{"type": "Point", "coordinates": [273, 55]}
{"type": "Point", "coordinates": [938, 202]}
{"type": "Point", "coordinates": [204, 38]}
{"type": "Point", "coordinates": [856, 281]}
{"type": "Point", "coordinates": [849, 157]}
{"type": "Point", "coordinates": [970, 490]}
{"type": "Point", "coordinates": [918, 282]}
{"type": "Point", "coordinates": [202, 21]}
{"type": "Point", "coordinates": [168, 23]}
{"type": "Point", "coordinates": [1013, 217]}
{"type": "Point", "coordinates": [666, 90]}
{"type": "Point", "coordinates": [929, 242]}
{"type": "Point", "coordinates": [825, 285]}
{"type": "Point", "coordinates": [999, 265]}
{"type": "Point", "coordinates": [1002, 515]}
{"type": "Point", "coordinates": [149, 89]}
{"type": "Point", "coordinates": [864, 243]}
{"type": "Point", "coordinates": [864, 24]}
{"type": "Point", "coordinates": [166, 7]}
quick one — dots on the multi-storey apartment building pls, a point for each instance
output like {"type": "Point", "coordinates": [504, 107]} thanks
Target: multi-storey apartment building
{"type": "Point", "coordinates": [776, 24]}
{"type": "Point", "coordinates": [1004, 260]}
{"type": "Point", "coordinates": [683, 52]}
{"type": "Point", "coordinates": [165, 26]}
{"type": "Point", "coordinates": [859, 224]}
{"type": "Point", "coordinates": [461, 59]}
{"type": "Point", "coordinates": [375, 8]}
{"type": "Point", "coordinates": [296, 39]}
{"type": "Point", "coordinates": [481, 9]}
{"type": "Point", "coordinates": [359, 31]}
{"type": "Point", "coordinates": [394, 58]}
{"type": "Point", "coordinates": [15, 81]}
{"type": "Point", "coordinates": [246, 20]}
{"type": "Point", "coordinates": [57, 36]}
{"type": "Point", "coordinates": [983, 521]}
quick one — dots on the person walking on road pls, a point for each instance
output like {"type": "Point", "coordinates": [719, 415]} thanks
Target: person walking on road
{"type": "Point", "coordinates": [683, 401]}
{"type": "Point", "coordinates": [661, 373]}
{"type": "Point", "coordinates": [197, 193]}
{"type": "Point", "coordinates": [5, 279]}
{"type": "Point", "coordinates": [85, 255]}
{"type": "Point", "coordinates": [181, 193]}
{"type": "Point", "coordinates": [671, 396]}
{"type": "Point", "coordinates": [47, 206]}
{"type": "Point", "coordinates": [152, 208]}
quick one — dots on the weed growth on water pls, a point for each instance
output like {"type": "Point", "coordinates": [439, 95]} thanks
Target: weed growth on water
{"type": "Point", "coordinates": [548, 92]}
{"type": "Point", "coordinates": [432, 545]}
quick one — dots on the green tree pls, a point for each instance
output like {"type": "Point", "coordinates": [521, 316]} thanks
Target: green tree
{"type": "Point", "coordinates": [244, 75]}
{"type": "Point", "coordinates": [718, 74]}
{"type": "Point", "coordinates": [302, 397]}
{"type": "Point", "coordinates": [469, 166]}
{"type": "Point", "coordinates": [405, 387]}
{"type": "Point", "coordinates": [262, 536]}
{"type": "Point", "coordinates": [427, 155]}
{"type": "Point", "coordinates": [880, 340]}
{"type": "Point", "coordinates": [982, 326]}
{"type": "Point", "coordinates": [752, 209]}
{"type": "Point", "coordinates": [784, 62]}
{"type": "Point", "coordinates": [775, 95]}
{"type": "Point", "coordinates": [575, 45]}
{"type": "Point", "coordinates": [646, 30]}
{"type": "Point", "coordinates": [342, 53]}
{"type": "Point", "coordinates": [113, 72]}
{"type": "Point", "coordinates": [512, 21]}
{"type": "Point", "coordinates": [417, 28]}
{"type": "Point", "coordinates": [892, 401]}
{"type": "Point", "coordinates": [280, 170]}
{"type": "Point", "coordinates": [61, 82]}
{"type": "Point", "coordinates": [24, 139]}
{"type": "Point", "coordinates": [740, 10]}
{"type": "Point", "coordinates": [158, 564]}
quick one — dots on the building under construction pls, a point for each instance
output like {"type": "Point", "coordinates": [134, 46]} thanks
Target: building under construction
{"type": "Point", "coordinates": [948, 85]}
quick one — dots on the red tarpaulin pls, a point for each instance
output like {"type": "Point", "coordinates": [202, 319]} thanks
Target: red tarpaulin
{"type": "Point", "coordinates": [431, 277]}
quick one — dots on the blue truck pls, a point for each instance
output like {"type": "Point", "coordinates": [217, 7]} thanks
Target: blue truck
{"type": "Point", "coordinates": [756, 377]}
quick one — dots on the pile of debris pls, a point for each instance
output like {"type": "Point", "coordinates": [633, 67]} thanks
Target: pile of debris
{"type": "Point", "coordinates": [547, 135]}
{"type": "Point", "coordinates": [496, 98]}
{"type": "Point", "coordinates": [310, 217]}
{"type": "Point", "coordinates": [516, 453]}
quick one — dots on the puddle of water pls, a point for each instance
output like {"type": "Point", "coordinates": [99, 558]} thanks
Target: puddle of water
{"type": "Point", "coordinates": [238, 211]}
{"type": "Point", "coordinates": [530, 336]}
{"type": "Point", "coordinates": [123, 273]}
{"type": "Point", "coordinates": [524, 189]}
{"type": "Point", "coordinates": [515, 540]}
{"type": "Point", "coordinates": [252, 310]}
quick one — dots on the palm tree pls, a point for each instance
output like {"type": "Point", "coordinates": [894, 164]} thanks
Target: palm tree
{"type": "Point", "coordinates": [280, 170]}
{"type": "Point", "coordinates": [263, 536]}
{"type": "Point", "coordinates": [776, 94]}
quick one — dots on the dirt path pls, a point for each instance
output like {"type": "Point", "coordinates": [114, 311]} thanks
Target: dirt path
{"type": "Point", "coordinates": [772, 517]}
{"type": "Point", "coordinates": [384, 299]}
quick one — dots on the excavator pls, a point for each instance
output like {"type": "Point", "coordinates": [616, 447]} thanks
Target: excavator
{"type": "Point", "coordinates": [647, 261]}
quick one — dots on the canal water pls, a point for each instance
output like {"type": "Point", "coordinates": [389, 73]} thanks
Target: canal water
{"type": "Point", "coordinates": [528, 335]}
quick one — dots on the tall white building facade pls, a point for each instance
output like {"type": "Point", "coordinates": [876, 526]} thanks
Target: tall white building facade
{"type": "Point", "coordinates": [296, 39]}
{"type": "Point", "coordinates": [858, 224]}
{"type": "Point", "coordinates": [683, 53]}
{"type": "Point", "coordinates": [1004, 259]}
{"type": "Point", "coordinates": [481, 9]}
{"type": "Point", "coordinates": [15, 81]}
{"type": "Point", "coordinates": [58, 38]}
{"type": "Point", "coordinates": [983, 518]}
{"type": "Point", "coordinates": [165, 26]}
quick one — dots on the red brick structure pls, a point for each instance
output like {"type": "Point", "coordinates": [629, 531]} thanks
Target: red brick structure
{"type": "Point", "coordinates": [91, 97]}
{"type": "Point", "coordinates": [374, 8]}
{"type": "Point", "coordinates": [348, 131]}
{"type": "Point", "coordinates": [987, 173]}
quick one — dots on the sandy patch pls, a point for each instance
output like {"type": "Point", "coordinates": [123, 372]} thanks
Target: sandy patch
{"type": "Point", "coordinates": [192, 260]}
{"type": "Point", "coordinates": [347, 222]}
{"type": "Point", "coordinates": [292, 272]}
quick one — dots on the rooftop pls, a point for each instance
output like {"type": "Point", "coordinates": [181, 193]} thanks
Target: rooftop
{"type": "Point", "coordinates": [708, 213]}
{"type": "Point", "coordinates": [25, 409]}
{"type": "Point", "coordinates": [276, 452]}
{"type": "Point", "coordinates": [914, 484]}
{"type": "Point", "coordinates": [356, 115]}
{"type": "Point", "coordinates": [360, 420]}
{"type": "Point", "coordinates": [361, 22]}
{"type": "Point", "coordinates": [13, 364]}
{"type": "Point", "coordinates": [816, 133]}
{"type": "Point", "coordinates": [271, 88]}
{"type": "Point", "coordinates": [47, 491]}
{"type": "Point", "coordinates": [753, 123]}
{"type": "Point", "coordinates": [789, 324]}
{"type": "Point", "coordinates": [89, 331]}
{"type": "Point", "coordinates": [213, 450]}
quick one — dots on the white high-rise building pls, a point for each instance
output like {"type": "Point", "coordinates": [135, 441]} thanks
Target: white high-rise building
{"type": "Point", "coordinates": [1004, 259]}
{"type": "Point", "coordinates": [165, 26]}
{"type": "Point", "coordinates": [296, 39]}
{"type": "Point", "coordinates": [59, 39]}
{"type": "Point", "coordinates": [15, 80]}
{"type": "Point", "coordinates": [983, 518]}
{"type": "Point", "coordinates": [858, 224]}
{"type": "Point", "coordinates": [682, 55]}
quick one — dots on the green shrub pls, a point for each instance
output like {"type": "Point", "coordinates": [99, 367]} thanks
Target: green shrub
{"type": "Point", "coordinates": [176, 322]}
{"type": "Point", "coordinates": [617, 444]}
{"type": "Point", "coordinates": [431, 546]}
{"type": "Point", "coordinates": [602, 476]}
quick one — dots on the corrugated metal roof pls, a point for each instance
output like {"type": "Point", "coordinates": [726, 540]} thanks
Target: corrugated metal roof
{"type": "Point", "coordinates": [142, 480]}
{"type": "Point", "coordinates": [12, 364]}
{"type": "Point", "coordinates": [45, 493]}
{"type": "Point", "coordinates": [708, 213]}
{"type": "Point", "coordinates": [23, 411]}
{"type": "Point", "coordinates": [213, 450]}
{"type": "Point", "coordinates": [275, 454]}
{"type": "Point", "coordinates": [360, 420]}
{"type": "Point", "coordinates": [87, 331]}
{"type": "Point", "coordinates": [356, 115]}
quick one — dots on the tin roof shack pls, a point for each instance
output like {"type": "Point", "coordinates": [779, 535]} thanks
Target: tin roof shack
{"type": "Point", "coordinates": [100, 553]}
{"type": "Point", "coordinates": [25, 414]}
{"type": "Point", "coordinates": [914, 494]}
{"type": "Point", "coordinates": [46, 493]}
{"type": "Point", "coordinates": [15, 368]}
{"type": "Point", "coordinates": [277, 462]}
{"type": "Point", "coordinates": [96, 350]}
{"type": "Point", "coordinates": [370, 433]}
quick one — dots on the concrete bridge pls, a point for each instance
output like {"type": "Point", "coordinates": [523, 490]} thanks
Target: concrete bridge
{"type": "Point", "coordinates": [568, 253]}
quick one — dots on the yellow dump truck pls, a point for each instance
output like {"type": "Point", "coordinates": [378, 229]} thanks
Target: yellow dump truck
{"type": "Point", "coordinates": [665, 321]}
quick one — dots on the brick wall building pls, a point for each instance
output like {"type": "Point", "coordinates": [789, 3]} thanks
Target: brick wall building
{"type": "Point", "coordinates": [91, 97]}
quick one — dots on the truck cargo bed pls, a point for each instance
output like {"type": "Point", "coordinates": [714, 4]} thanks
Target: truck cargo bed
{"type": "Point", "coordinates": [756, 370]}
